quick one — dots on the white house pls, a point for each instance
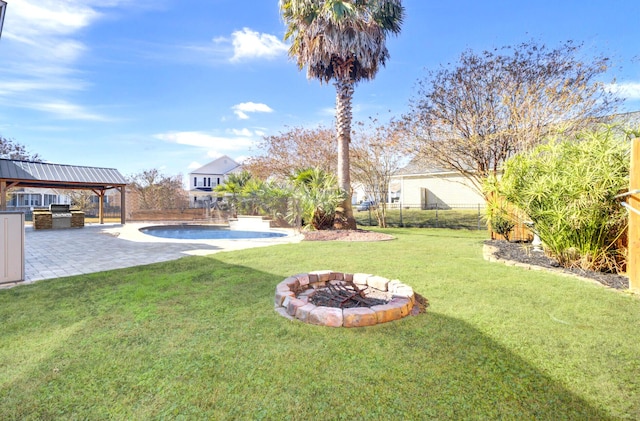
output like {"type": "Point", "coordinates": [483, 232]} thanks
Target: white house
{"type": "Point", "coordinates": [27, 198]}
{"type": "Point", "coordinates": [419, 185]}
{"type": "Point", "coordinates": [203, 181]}
{"type": "Point", "coordinates": [422, 185]}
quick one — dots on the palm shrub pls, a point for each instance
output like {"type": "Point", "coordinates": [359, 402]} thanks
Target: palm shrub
{"type": "Point", "coordinates": [315, 196]}
{"type": "Point", "coordinates": [252, 197]}
{"type": "Point", "coordinates": [233, 187]}
{"type": "Point", "coordinates": [568, 188]}
{"type": "Point", "coordinates": [274, 201]}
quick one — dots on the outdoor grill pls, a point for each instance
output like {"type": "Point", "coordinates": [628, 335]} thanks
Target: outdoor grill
{"type": "Point", "coordinates": [57, 217]}
{"type": "Point", "coordinates": [60, 216]}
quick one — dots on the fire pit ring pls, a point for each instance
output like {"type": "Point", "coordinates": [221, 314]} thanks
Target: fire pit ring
{"type": "Point", "coordinates": [292, 299]}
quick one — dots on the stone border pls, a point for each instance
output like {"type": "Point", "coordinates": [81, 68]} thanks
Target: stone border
{"type": "Point", "coordinates": [489, 254]}
{"type": "Point", "coordinates": [298, 307]}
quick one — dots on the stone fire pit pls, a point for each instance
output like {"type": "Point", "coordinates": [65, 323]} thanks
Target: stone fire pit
{"type": "Point", "coordinates": [294, 295]}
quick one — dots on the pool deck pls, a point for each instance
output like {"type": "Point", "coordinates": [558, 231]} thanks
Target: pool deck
{"type": "Point", "coordinates": [96, 248]}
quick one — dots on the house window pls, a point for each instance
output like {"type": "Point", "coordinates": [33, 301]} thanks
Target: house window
{"type": "Point", "coordinates": [208, 181]}
{"type": "Point", "coordinates": [195, 181]}
{"type": "Point", "coordinates": [50, 199]}
{"type": "Point", "coordinates": [218, 180]}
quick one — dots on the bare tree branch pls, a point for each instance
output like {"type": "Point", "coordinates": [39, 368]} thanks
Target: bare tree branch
{"type": "Point", "coordinates": [377, 152]}
{"type": "Point", "coordinates": [157, 191]}
{"type": "Point", "coordinates": [293, 150]}
{"type": "Point", "coordinates": [472, 116]}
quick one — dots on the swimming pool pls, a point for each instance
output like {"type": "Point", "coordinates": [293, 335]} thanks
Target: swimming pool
{"type": "Point", "coordinates": [205, 232]}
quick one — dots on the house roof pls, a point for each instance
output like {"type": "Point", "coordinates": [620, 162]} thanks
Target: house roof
{"type": "Point", "coordinates": [630, 119]}
{"type": "Point", "coordinates": [222, 166]}
{"type": "Point", "coordinates": [419, 165]}
{"type": "Point", "coordinates": [42, 174]}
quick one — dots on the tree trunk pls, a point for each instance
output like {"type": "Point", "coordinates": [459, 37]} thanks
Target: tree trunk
{"type": "Point", "coordinates": [344, 93]}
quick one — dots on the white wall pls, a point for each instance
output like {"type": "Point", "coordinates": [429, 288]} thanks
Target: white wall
{"type": "Point", "coordinates": [445, 189]}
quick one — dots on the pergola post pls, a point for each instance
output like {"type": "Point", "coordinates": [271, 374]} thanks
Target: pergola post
{"type": "Point", "coordinates": [633, 248]}
{"type": "Point", "coordinates": [3, 195]}
{"type": "Point", "coordinates": [101, 207]}
{"type": "Point", "coordinates": [123, 205]}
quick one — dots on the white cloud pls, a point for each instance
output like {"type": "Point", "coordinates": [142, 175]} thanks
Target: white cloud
{"type": "Point", "coordinates": [207, 140]}
{"type": "Point", "coordinates": [241, 110]}
{"type": "Point", "coordinates": [68, 111]}
{"type": "Point", "coordinates": [240, 46]}
{"type": "Point", "coordinates": [328, 111]}
{"type": "Point", "coordinates": [249, 44]}
{"type": "Point", "coordinates": [47, 28]}
{"type": "Point", "coordinates": [241, 132]}
{"type": "Point", "coordinates": [628, 90]}
{"type": "Point", "coordinates": [241, 115]}
{"type": "Point", "coordinates": [17, 86]}
{"type": "Point", "coordinates": [194, 165]}
{"type": "Point", "coordinates": [42, 47]}
{"type": "Point", "coordinates": [214, 154]}
{"type": "Point", "coordinates": [240, 159]}
{"type": "Point", "coordinates": [32, 18]}
{"type": "Point", "coordinates": [253, 107]}
{"type": "Point", "coordinates": [213, 146]}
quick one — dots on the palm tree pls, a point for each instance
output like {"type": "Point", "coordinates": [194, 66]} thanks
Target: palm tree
{"type": "Point", "coordinates": [234, 185]}
{"type": "Point", "coordinates": [343, 41]}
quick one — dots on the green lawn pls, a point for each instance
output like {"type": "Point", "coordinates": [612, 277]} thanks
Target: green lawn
{"type": "Point", "coordinates": [198, 338]}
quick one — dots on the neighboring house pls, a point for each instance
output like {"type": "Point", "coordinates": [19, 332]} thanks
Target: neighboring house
{"type": "Point", "coordinates": [629, 120]}
{"type": "Point", "coordinates": [420, 186]}
{"type": "Point", "coordinates": [204, 180]}
{"type": "Point", "coordinates": [358, 194]}
{"type": "Point", "coordinates": [28, 198]}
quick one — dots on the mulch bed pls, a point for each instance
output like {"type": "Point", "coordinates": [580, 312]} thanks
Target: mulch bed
{"type": "Point", "coordinates": [523, 253]}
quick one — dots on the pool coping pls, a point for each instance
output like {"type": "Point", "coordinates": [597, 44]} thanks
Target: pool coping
{"type": "Point", "coordinates": [131, 232]}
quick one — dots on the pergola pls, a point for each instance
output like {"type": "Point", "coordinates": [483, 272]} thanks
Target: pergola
{"type": "Point", "coordinates": [14, 173]}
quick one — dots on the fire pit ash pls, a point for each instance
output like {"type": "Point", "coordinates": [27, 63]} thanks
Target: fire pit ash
{"type": "Point", "coordinates": [346, 294]}
{"type": "Point", "coordinates": [337, 299]}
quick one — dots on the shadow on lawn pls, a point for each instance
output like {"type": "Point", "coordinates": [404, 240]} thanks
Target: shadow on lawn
{"type": "Point", "coordinates": [433, 367]}
{"type": "Point", "coordinates": [214, 335]}
{"type": "Point", "coordinates": [465, 374]}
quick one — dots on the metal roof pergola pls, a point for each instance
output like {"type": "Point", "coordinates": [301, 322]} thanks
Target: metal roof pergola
{"type": "Point", "coordinates": [15, 173]}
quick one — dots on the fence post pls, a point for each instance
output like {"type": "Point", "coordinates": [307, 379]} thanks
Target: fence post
{"type": "Point", "coordinates": [478, 216]}
{"type": "Point", "coordinates": [401, 223]}
{"type": "Point", "coordinates": [633, 249]}
{"type": "Point", "coordinates": [436, 214]}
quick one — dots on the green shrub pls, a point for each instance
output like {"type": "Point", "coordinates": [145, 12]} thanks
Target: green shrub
{"type": "Point", "coordinates": [315, 196]}
{"type": "Point", "coordinates": [501, 224]}
{"type": "Point", "coordinates": [567, 187]}
{"type": "Point", "coordinates": [497, 214]}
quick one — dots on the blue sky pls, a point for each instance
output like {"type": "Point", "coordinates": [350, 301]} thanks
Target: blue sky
{"type": "Point", "coordinates": [141, 84]}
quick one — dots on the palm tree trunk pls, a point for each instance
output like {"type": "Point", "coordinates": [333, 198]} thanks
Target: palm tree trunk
{"type": "Point", "coordinates": [344, 94]}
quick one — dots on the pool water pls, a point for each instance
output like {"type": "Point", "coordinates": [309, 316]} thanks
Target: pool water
{"type": "Point", "coordinates": [205, 232]}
